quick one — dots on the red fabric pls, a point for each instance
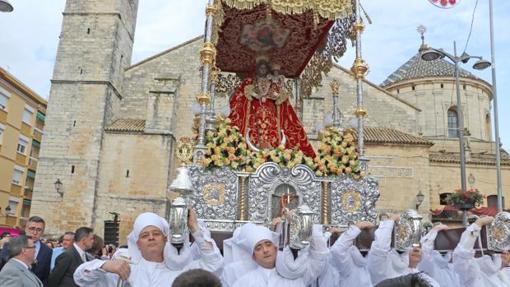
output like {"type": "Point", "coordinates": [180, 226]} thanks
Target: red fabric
{"type": "Point", "coordinates": [489, 211]}
{"type": "Point", "coordinates": [262, 117]}
{"type": "Point", "coordinates": [438, 211]}
{"type": "Point", "coordinates": [305, 37]}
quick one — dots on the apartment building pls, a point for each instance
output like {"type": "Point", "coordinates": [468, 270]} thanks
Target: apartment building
{"type": "Point", "coordinates": [22, 116]}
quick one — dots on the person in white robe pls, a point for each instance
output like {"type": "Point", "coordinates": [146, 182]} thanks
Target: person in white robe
{"type": "Point", "coordinates": [153, 261]}
{"type": "Point", "coordinates": [485, 271]}
{"type": "Point", "coordinates": [347, 259]}
{"type": "Point", "coordinates": [437, 265]}
{"type": "Point", "coordinates": [384, 262]}
{"type": "Point", "coordinates": [260, 264]}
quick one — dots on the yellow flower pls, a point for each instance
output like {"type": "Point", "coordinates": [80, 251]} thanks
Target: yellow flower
{"type": "Point", "coordinates": [318, 173]}
{"type": "Point", "coordinates": [218, 163]}
{"type": "Point", "coordinates": [275, 158]}
{"type": "Point", "coordinates": [287, 155]}
{"type": "Point", "coordinates": [206, 161]}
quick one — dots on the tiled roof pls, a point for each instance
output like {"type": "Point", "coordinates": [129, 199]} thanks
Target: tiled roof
{"type": "Point", "coordinates": [482, 159]}
{"type": "Point", "coordinates": [127, 125]}
{"type": "Point", "coordinates": [416, 68]}
{"type": "Point", "coordinates": [391, 136]}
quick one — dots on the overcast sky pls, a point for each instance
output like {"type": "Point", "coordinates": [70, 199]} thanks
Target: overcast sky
{"type": "Point", "coordinates": [29, 37]}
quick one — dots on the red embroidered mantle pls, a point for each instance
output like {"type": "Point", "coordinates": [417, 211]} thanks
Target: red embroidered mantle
{"type": "Point", "coordinates": [265, 119]}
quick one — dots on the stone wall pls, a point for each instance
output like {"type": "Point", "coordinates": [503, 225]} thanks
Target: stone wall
{"type": "Point", "coordinates": [435, 96]}
{"type": "Point", "coordinates": [403, 171]}
{"type": "Point", "coordinates": [95, 45]}
{"type": "Point", "coordinates": [133, 177]}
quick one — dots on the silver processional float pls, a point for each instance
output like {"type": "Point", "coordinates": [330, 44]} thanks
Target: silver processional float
{"type": "Point", "coordinates": [245, 163]}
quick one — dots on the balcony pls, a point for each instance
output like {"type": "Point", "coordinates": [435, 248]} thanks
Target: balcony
{"type": "Point", "coordinates": [26, 129]}
{"type": "Point", "coordinates": [32, 163]}
{"type": "Point", "coordinates": [16, 190]}
{"type": "Point", "coordinates": [21, 159]}
{"type": "Point", "coordinates": [28, 194]}
{"type": "Point", "coordinates": [3, 115]}
{"type": "Point", "coordinates": [37, 134]}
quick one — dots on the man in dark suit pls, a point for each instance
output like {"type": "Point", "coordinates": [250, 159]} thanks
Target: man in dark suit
{"type": "Point", "coordinates": [67, 262]}
{"type": "Point", "coordinates": [16, 272]}
{"type": "Point", "coordinates": [41, 266]}
{"type": "Point", "coordinates": [35, 229]}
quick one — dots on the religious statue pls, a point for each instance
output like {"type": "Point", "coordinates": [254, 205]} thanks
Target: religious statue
{"type": "Point", "coordinates": [260, 108]}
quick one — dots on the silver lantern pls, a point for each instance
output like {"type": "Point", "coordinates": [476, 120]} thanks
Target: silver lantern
{"type": "Point", "coordinates": [408, 230]}
{"type": "Point", "coordinates": [178, 220]}
{"type": "Point", "coordinates": [178, 217]}
{"type": "Point", "coordinates": [300, 226]}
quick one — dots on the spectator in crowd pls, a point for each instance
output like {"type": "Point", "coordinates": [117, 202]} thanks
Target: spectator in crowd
{"type": "Point", "coordinates": [35, 229]}
{"type": "Point", "coordinates": [197, 278]}
{"type": "Point", "coordinates": [67, 262]}
{"type": "Point", "coordinates": [4, 238]}
{"type": "Point", "coordinates": [15, 273]}
{"type": "Point", "coordinates": [66, 241]}
{"type": "Point", "coordinates": [96, 251]}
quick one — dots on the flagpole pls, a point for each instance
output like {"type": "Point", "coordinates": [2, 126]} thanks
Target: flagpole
{"type": "Point", "coordinates": [496, 118]}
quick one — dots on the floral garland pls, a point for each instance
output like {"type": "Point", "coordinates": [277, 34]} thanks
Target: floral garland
{"type": "Point", "coordinates": [226, 147]}
{"type": "Point", "coordinates": [338, 154]}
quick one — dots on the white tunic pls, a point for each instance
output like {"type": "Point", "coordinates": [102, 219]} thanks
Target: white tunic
{"type": "Point", "coordinates": [383, 262]}
{"type": "Point", "coordinates": [477, 272]}
{"type": "Point", "coordinates": [301, 272]}
{"type": "Point", "coordinates": [262, 277]}
{"type": "Point", "coordinates": [143, 273]}
{"type": "Point", "coordinates": [437, 265]}
{"type": "Point", "coordinates": [348, 261]}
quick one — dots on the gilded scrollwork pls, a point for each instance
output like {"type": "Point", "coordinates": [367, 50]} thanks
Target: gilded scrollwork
{"type": "Point", "coordinates": [353, 200]}
{"type": "Point", "coordinates": [217, 194]}
{"type": "Point", "coordinates": [263, 183]}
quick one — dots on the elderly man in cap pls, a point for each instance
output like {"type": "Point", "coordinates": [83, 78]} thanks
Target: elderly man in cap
{"type": "Point", "coordinates": [153, 260]}
{"type": "Point", "coordinates": [255, 260]}
{"type": "Point", "coordinates": [485, 271]}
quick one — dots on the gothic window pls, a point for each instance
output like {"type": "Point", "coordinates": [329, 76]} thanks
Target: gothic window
{"type": "Point", "coordinates": [453, 132]}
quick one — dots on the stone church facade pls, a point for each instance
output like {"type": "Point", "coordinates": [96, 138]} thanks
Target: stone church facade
{"type": "Point", "coordinates": [112, 127]}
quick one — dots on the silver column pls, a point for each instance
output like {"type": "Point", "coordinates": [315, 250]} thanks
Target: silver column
{"type": "Point", "coordinates": [207, 57]}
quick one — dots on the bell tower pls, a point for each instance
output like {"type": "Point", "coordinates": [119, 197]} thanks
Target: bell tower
{"type": "Point", "coordinates": [86, 92]}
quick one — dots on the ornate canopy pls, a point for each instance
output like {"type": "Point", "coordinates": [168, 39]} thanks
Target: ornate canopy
{"type": "Point", "coordinates": [292, 33]}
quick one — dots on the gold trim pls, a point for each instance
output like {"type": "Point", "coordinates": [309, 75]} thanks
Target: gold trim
{"type": "Point", "coordinates": [208, 53]}
{"type": "Point", "coordinates": [358, 27]}
{"type": "Point", "coordinates": [211, 10]}
{"type": "Point", "coordinates": [204, 98]}
{"type": "Point", "coordinates": [359, 68]}
{"type": "Point", "coordinates": [325, 203]}
{"type": "Point", "coordinates": [242, 198]}
{"type": "Point", "coordinates": [335, 87]}
{"type": "Point", "coordinates": [215, 71]}
{"type": "Point", "coordinates": [214, 194]}
{"type": "Point", "coordinates": [329, 9]}
{"type": "Point", "coordinates": [361, 112]}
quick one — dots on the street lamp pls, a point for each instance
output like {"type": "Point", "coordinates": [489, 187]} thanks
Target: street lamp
{"type": "Point", "coordinates": [58, 186]}
{"type": "Point", "coordinates": [5, 6]}
{"type": "Point", "coordinates": [432, 54]}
